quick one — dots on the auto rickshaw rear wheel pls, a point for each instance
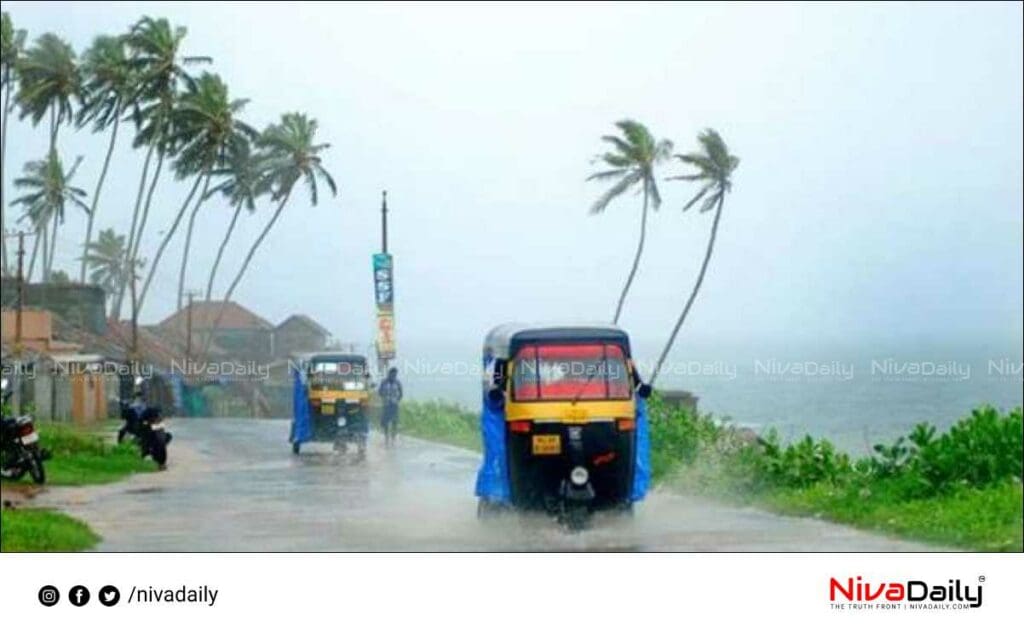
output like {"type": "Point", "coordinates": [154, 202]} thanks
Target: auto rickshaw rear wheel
{"type": "Point", "coordinates": [296, 447]}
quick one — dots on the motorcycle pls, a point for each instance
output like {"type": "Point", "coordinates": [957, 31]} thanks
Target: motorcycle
{"type": "Point", "coordinates": [19, 447]}
{"type": "Point", "coordinates": [145, 424]}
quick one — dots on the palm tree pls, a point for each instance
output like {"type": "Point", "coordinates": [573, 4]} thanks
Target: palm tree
{"type": "Point", "coordinates": [12, 46]}
{"type": "Point", "coordinates": [209, 130]}
{"type": "Point", "coordinates": [106, 263]}
{"type": "Point", "coordinates": [293, 155]}
{"type": "Point", "coordinates": [631, 163]}
{"type": "Point", "coordinates": [715, 166]}
{"type": "Point", "coordinates": [49, 81]}
{"type": "Point", "coordinates": [203, 127]}
{"type": "Point", "coordinates": [108, 86]}
{"type": "Point", "coordinates": [244, 181]}
{"type": "Point", "coordinates": [160, 69]}
{"type": "Point", "coordinates": [49, 192]}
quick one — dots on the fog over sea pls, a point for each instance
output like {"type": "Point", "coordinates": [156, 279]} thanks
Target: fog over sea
{"type": "Point", "coordinates": [854, 394]}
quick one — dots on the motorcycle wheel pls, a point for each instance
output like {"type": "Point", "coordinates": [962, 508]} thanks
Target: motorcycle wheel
{"type": "Point", "coordinates": [576, 517]}
{"type": "Point", "coordinates": [35, 466]}
{"type": "Point", "coordinates": [158, 448]}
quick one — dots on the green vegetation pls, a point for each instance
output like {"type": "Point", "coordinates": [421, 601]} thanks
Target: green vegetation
{"type": "Point", "coordinates": [441, 422]}
{"type": "Point", "coordinates": [85, 457]}
{"type": "Point", "coordinates": [959, 488]}
{"type": "Point", "coordinates": [38, 530]}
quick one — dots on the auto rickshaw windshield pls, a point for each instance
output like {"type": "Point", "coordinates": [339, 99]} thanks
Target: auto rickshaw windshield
{"type": "Point", "coordinates": [570, 371]}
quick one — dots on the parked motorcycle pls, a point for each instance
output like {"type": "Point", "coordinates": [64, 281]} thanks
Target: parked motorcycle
{"type": "Point", "coordinates": [145, 424]}
{"type": "Point", "coordinates": [20, 452]}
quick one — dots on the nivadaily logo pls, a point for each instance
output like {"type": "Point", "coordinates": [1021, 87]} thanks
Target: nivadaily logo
{"type": "Point", "coordinates": [905, 594]}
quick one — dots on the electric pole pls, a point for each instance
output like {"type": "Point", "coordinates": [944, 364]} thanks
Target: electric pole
{"type": "Point", "coordinates": [384, 222]}
{"type": "Point", "coordinates": [21, 294]}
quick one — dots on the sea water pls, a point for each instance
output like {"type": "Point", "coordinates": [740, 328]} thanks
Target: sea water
{"type": "Point", "coordinates": [855, 394]}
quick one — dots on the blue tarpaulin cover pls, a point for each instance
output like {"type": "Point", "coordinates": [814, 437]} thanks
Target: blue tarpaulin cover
{"type": "Point", "coordinates": [642, 472]}
{"type": "Point", "coordinates": [492, 480]}
{"type": "Point", "coordinates": [302, 423]}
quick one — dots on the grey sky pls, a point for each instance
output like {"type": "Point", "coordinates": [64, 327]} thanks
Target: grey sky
{"type": "Point", "coordinates": [879, 193]}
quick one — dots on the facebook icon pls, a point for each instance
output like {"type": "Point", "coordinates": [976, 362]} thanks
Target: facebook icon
{"type": "Point", "coordinates": [78, 595]}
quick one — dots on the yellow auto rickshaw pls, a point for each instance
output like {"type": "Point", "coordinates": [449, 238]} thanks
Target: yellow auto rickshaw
{"type": "Point", "coordinates": [337, 390]}
{"type": "Point", "coordinates": [563, 421]}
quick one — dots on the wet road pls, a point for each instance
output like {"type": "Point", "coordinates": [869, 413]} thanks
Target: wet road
{"type": "Point", "coordinates": [233, 485]}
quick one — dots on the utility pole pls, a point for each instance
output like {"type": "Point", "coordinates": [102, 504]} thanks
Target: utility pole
{"type": "Point", "coordinates": [16, 397]}
{"type": "Point", "coordinates": [384, 222]}
{"type": "Point", "coordinates": [21, 294]}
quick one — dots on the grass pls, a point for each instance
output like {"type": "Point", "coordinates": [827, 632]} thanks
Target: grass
{"type": "Point", "coordinates": [84, 456]}
{"type": "Point", "coordinates": [39, 530]}
{"type": "Point", "coordinates": [986, 519]}
{"type": "Point", "coordinates": [441, 422]}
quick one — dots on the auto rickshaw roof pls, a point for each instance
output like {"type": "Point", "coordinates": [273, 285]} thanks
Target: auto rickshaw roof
{"type": "Point", "coordinates": [329, 357]}
{"type": "Point", "coordinates": [502, 340]}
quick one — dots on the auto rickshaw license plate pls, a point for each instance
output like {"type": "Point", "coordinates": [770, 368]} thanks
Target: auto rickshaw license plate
{"type": "Point", "coordinates": [547, 444]}
{"type": "Point", "coordinates": [327, 409]}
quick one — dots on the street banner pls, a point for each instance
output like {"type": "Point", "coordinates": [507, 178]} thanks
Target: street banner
{"type": "Point", "coordinates": [384, 294]}
{"type": "Point", "coordinates": [383, 281]}
{"type": "Point", "coordinates": [385, 334]}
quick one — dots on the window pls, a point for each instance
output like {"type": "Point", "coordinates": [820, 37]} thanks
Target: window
{"type": "Point", "coordinates": [584, 371]}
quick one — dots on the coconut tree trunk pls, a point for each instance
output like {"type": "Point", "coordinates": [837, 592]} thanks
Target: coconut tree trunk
{"type": "Point", "coordinates": [220, 251]}
{"type": "Point", "coordinates": [48, 271]}
{"type": "Point", "coordinates": [693, 293]}
{"type": "Point", "coordinates": [636, 259]}
{"type": "Point", "coordinates": [96, 196]}
{"type": "Point", "coordinates": [188, 238]}
{"type": "Point", "coordinates": [42, 231]}
{"type": "Point", "coordinates": [145, 209]}
{"type": "Point", "coordinates": [3, 167]}
{"type": "Point", "coordinates": [167, 240]}
{"type": "Point", "coordinates": [123, 284]}
{"type": "Point", "coordinates": [241, 271]}
{"type": "Point", "coordinates": [135, 212]}
{"type": "Point", "coordinates": [32, 259]}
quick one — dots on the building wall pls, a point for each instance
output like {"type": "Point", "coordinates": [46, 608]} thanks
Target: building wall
{"type": "Point", "coordinates": [294, 338]}
{"type": "Point", "coordinates": [83, 306]}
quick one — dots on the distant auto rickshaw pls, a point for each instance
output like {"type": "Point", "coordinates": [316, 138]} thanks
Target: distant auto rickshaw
{"type": "Point", "coordinates": [564, 423]}
{"type": "Point", "coordinates": [336, 393]}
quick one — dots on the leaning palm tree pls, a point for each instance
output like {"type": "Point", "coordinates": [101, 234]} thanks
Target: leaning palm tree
{"type": "Point", "coordinates": [105, 258]}
{"type": "Point", "coordinates": [715, 166]}
{"type": "Point", "coordinates": [155, 48]}
{"type": "Point", "coordinates": [244, 181]}
{"type": "Point", "coordinates": [293, 155]}
{"type": "Point", "coordinates": [49, 192]}
{"type": "Point", "coordinates": [12, 47]}
{"type": "Point", "coordinates": [631, 163]}
{"type": "Point", "coordinates": [108, 87]}
{"type": "Point", "coordinates": [49, 81]}
{"type": "Point", "coordinates": [203, 128]}
{"type": "Point", "coordinates": [208, 123]}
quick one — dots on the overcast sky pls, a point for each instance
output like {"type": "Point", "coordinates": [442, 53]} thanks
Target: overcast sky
{"type": "Point", "coordinates": [879, 193]}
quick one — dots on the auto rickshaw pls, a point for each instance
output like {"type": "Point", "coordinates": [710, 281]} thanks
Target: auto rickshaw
{"type": "Point", "coordinates": [564, 422]}
{"type": "Point", "coordinates": [331, 401]}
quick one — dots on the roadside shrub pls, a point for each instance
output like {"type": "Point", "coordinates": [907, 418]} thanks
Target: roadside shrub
{"type": "Point", "coordinates": [979, 450]}
{"type": "Point", "coordinates": [678, 436]}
